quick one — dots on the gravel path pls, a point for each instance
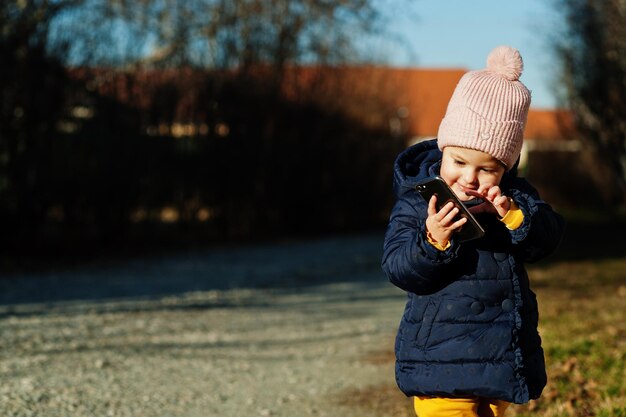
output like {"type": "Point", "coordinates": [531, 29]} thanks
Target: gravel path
{"type": "Point", "coordinates": [275, 330]}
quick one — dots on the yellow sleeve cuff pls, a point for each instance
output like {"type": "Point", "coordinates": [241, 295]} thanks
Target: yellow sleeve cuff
{"type": "Point", "coordinates": [514, 217]}
{"type": "Point", "coordinates": [435, 243]}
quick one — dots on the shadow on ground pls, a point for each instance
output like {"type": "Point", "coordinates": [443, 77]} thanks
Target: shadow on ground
{"type": "Point", "coordinates": [285, 265]}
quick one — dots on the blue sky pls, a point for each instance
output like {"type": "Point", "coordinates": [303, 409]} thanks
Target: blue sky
{"type": "Point", "coordinates": [461, 33]}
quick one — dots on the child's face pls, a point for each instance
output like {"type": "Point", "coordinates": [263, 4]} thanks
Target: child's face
{"type": "Point", "coordinates": [468, 169]}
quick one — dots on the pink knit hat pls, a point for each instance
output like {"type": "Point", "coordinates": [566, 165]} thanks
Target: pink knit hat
{"type": "Point", "coordinates": [488, 108]}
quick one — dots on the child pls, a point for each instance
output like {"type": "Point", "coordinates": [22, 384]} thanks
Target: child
{"type": "Point", "coordinates": [468, 343]}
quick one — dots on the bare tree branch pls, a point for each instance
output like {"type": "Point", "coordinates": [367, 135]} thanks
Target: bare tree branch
{"type": "Point", "coordinates": [592, 52]}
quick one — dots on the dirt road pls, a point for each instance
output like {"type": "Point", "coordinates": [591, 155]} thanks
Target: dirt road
{"type": "Point", "coordinates": [275, 330]}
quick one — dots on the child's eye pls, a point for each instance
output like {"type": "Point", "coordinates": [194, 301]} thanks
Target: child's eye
{"type": "Point", "coordinates": [457, 162]}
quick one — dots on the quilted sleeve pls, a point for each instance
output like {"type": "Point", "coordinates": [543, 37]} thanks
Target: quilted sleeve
{"type": "Point", "coordinates": [542, 229]}
{"type": "Point", "coordinates": [409, 260]}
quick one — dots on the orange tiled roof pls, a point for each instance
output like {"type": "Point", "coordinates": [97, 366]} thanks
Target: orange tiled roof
{"type": "Point", "coordinates": [549, 124]}
{"type": "Point", "coordinates": [420, 96]}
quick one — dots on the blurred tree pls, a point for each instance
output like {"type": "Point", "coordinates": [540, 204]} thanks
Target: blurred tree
{"type": "Point", "coordinates": [91, 91]}
{"type": "Point", "coordinates": [218, 34]}
{"type": "Point", "coordinates": [32, 85]}
{"type": "Point", "coordinates": [246, 45]}
{"type": "Point", "coordinates": [592, 52]}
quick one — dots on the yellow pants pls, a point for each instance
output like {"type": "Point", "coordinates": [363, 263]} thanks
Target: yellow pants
{"type": "Point", "coordinates": [459, 407]}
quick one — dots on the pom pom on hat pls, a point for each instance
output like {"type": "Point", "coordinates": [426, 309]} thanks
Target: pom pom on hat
{"type": "Point", "coordinates": [488, 108]}
{"type": "Point", "coordinates": [506, 61]}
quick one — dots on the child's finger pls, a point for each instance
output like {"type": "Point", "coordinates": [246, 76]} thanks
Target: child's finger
{"type": "Point", "coordinates": [432, 205]}
{"type": "Point", "coordinates": [494, 192]}
{"type": "Point", "coordinates": [499, 200]}
{"type": "Point", "coordinates": [447, 219]}
{"type": "Point", "coordinates": [458, 223]}
{"type": "Point", "coordinates": [445, 210]}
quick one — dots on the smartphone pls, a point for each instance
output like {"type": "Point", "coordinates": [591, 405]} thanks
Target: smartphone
{"type": "Point", "coordinates": [436, 185]}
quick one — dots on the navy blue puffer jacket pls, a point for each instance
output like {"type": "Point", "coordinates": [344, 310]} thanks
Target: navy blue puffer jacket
{"type": "Point", "coordinates": [470, 323]}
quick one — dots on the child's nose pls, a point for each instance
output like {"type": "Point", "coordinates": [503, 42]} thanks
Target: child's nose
{"type": "Point", "coordinates": [470, 177]}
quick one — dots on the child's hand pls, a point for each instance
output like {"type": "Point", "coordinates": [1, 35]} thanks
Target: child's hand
{"type": "Point", "coordinates": [495, 201]}
{"type": "Point", "coordinates": [441, 224]}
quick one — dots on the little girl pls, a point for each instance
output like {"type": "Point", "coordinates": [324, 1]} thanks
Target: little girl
{"type": "Point", "coordinates": [468, 344]}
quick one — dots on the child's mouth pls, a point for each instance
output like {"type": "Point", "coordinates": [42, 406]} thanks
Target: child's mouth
{"type": "Point", "coordinates": [469, 192]}
{"type": "Point", "coordinates": [474, 193]}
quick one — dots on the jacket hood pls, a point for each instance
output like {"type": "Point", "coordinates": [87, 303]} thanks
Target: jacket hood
{"type": "Point", "coordinates": [414, 164]}
{"type": "Point", "coordinates": [421, 161]}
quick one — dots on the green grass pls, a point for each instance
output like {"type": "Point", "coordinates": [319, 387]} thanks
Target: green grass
{"type": "Point", "coordinates": [584, 336]}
